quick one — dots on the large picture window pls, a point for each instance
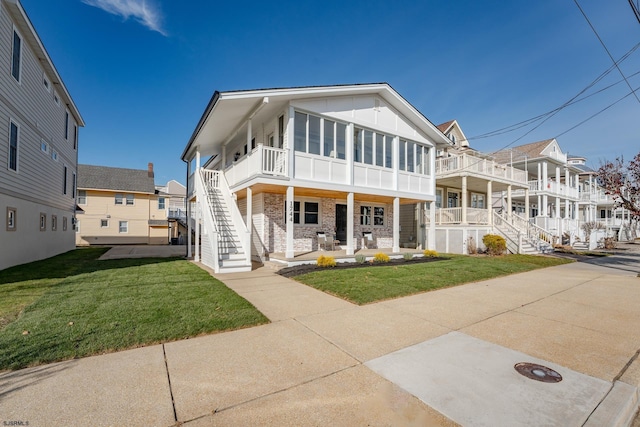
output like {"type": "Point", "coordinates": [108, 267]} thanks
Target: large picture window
{"type": "Point", "coordinates": [414, 157]}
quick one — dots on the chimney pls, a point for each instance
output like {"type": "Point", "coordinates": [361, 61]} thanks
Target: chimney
{"type": "Point", "coordinates": [150, 170]}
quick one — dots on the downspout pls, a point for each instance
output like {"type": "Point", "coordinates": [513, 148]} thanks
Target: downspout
{"type": "Point", "coordinates": [186, 208]}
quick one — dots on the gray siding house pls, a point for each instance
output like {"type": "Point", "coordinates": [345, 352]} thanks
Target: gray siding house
{"type": "Point", "coordinates": [38, 146]}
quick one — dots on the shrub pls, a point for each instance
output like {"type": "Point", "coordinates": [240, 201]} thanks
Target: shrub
{"type": "Point", "coordinates": [407, 256]}
{"type": "Point", "coordinates": [326, 261]}
{"type": "Point", "coordinates": [380, 257]}
{"type": "Point", "coordinates": [429, 253]}
{"type": "Point", "coordinates": [496, 245]}
{"type": "Point", "coordinates": [361, 259]}
{"type": "Point", "coordinates": [609, 243]}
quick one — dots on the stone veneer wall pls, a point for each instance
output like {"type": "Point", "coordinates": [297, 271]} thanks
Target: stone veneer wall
{"type": "Point", "coordinates": [305, 236]}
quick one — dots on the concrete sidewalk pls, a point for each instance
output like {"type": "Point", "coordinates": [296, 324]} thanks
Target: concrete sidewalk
{"type": "Point", "coordinates": [324, 361]}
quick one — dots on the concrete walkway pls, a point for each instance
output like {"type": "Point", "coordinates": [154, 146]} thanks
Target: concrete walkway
{"type": "Point", "coordinates": [323, 361]}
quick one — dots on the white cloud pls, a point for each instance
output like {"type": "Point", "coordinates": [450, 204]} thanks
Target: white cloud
{"type": "Point", "coordinates": [140, 10]}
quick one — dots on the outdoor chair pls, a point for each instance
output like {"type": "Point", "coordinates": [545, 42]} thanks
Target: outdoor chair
{"type": "Point", "coordinates": [368, 241]}
{"type": "Point", "coordinates": [324, 241]}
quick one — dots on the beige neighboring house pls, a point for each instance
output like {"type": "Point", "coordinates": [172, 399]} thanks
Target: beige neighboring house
{"type": "Point", "coordinates": [119, 206]}
{"type": "Point", "coordinates": [38, 146]}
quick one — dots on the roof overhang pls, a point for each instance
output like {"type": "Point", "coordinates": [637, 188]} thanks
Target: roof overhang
{"type": "Point", "coordinates": [226, 112]}
{"type": "Point", "coordinates": [28, 32]}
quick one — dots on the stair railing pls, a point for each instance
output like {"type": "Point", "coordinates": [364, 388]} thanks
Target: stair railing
{"type": "Point", "coordinates": [209, 222]}
{"type": "Point", "coordinates": [216, 180]}
{"type": "Point", "coordinates": [508, 230]}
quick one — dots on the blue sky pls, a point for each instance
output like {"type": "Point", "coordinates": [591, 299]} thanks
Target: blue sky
{"type": "Point", "coordinates": [142, 72]}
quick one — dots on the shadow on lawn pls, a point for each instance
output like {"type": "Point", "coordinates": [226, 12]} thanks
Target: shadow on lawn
{"type": "Point", "coordinates": [78, 261]}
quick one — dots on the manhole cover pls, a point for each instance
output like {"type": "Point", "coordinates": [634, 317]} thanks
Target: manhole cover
{"type": "Point", "coordinates": [538, 372]}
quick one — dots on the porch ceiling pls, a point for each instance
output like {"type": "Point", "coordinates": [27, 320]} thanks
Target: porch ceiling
{"type": "Point", "coordinates": [325, 194]}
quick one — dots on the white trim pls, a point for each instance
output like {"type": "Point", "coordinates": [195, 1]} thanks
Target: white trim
{"type": "Point", "coordinates": [126, 224]}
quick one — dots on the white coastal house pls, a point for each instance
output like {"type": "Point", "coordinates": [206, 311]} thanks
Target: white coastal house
{"type": "Point", "coordinates": [296, 169]}
{"type": "Point", "coordinates": [38, 146]}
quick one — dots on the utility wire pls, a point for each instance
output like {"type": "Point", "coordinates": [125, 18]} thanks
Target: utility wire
{"type": "Point", "coordinates": [636, 12]}
{"type": "Point", "coordinates": [607, 50]}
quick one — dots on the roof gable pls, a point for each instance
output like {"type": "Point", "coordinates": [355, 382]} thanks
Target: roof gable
{"type": "Point", "coordinates": [116, 179]}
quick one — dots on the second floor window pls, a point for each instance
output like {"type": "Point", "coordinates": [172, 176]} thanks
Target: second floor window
{"type": "Point", "coordinates": [119, 199]}
{"type": "Point", "coordinates": [16, 56]}
{"type": "Point", "coordinates": [161, 202]}
{"type": "Point", "coordinates": [82, 197]}
{"type": "Point", "coordinates": [320, 136]}
{"type": "Point", "coordinates": [129, 198]}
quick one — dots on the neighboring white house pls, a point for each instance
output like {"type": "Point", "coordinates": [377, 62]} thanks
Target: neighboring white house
{"type": "Point", "coordinates": [294, 168]}
{"type": "Point", "coordinates": [38, 146]}
{"type": "Point", "coordinates": [172, 198]}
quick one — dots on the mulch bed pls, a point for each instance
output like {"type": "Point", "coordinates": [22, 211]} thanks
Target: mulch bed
{"type": "Point", "coordinates": [309, 268]}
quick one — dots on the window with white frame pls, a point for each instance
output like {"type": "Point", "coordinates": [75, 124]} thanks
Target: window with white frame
{"type": "Point", "coordinates": [54, 155]}
{"type": "Point", "coordinates": [12, 214]}
{"type": "Point", "coordinates": [13, 146]}
{"type": "Point", "coordinates": [161, 202]}
{"type": "Point", "coordinates": [64, 180]}
{"type": "Point", "coordinates": [104, 223]}
{"type": "Point", "coordinates": [123, 226]}
{"type": "Point", "coordinates": [372, 148]}
{"type": "Point", "coordinates": [129, 198]}
{"type": "Point", "coordinates": [54, 222]}
{"type": "Point", "coordinates": [119, 199]}
{"type": "Point", "coordinates": [56, 99]}
{"type": "Point", "coordinates": [320, 136]}
{"type": "Point", "coordinates": [43, 221]}
{"type": "Point", "coordinates": [414, 157]}
{"type": "Point", "coordinates": [66, 125]}
{"type": "Point", "coordinates": [46, 84]}
{"type": "Point", "coordinates": [16, 56]}
{"type": "Point", "coordinates": [44, 146]}
{"type": "Point", "coordinates": [438, 197]}
{"type": "Point", "coordinates": [82, 197]}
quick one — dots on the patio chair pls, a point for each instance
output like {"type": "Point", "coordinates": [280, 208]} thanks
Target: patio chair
{"type": "Point", "coordinates": [323, 240]}
{"type": "Point", "coordinates": [368, 240]}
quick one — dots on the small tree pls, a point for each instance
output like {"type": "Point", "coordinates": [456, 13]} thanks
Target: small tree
{"type": "Point", "coordinates": [590, 226]}
{"type": "Point", "coordinates": [621, 181]}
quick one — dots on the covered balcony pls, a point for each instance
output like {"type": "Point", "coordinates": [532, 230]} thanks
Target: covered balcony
{"type": "Point", "coordinates": [477, 166]}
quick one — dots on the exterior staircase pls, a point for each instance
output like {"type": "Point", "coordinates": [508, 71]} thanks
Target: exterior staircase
{"type": "Point", "coordinates": [522, 237]}
{"type": "Point", "coordinates": [226, 240]}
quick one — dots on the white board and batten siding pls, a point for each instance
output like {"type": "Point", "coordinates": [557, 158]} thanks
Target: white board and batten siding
{"type": "Point", "coordinates": [258, 247]}
{"type": "Point", "coordinates": [372, 113]}
{"type": "Point", "coordinates": [37, 185]}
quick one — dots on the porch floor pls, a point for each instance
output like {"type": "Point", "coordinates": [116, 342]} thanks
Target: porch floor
{"type": "Point", "coordinates": [309, 257]}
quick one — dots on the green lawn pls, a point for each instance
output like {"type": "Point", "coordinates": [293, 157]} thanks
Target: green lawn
{"type": "Point", "coordinates": [367, 285]}
{"type": "Point", "coordinates": [73, 305]}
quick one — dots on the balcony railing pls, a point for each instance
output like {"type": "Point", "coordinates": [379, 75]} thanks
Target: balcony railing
{"type": "Point", "coordinates": [450, 216]}
{"type": "Point", "coordinates": [598, 197]}
{"type": "Point", "coordinates": [480, 166]}
{"type": "Point", "coordinates": [553, 188]}
{"type": "Point", "coordinates": [260, 161]}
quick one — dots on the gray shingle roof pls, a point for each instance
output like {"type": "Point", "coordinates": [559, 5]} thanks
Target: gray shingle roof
{"type": "Point", "coordinates": [120, 179]}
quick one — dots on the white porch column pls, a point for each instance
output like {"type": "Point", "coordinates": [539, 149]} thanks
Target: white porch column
{"type": "Point", "coordinates": [249, 133]}
{"type": "Point", "coordinates": [489, 202]}
{"type": "Point", "coordinates": [557, 208]}
{"type": "Point", "coordinates": [545, 176]}
{"type": "Point", "coordinates": [396, 224]}
{"type": "Point", "coordinates": [349, 154]}
{"type": "Point", "coordinates": [539, 177]}
{"type": "Point", "coordinates": [291, 148]}
{"type": "Point", "coordinates": [431, 243]}
{"type": "Point", "coordinates": [545, 204]}
{"type": "Point", "coordinates": [196, 257]}
{"type": "Point", "coordinates": [527, 214]}
{"type": "Point", "coordinates": [249, 220]}
{"type": "Point", "coordinates": [464, 199]}
{"type": "Point", "coordinates": [350, 219]}
{"type": "Point", "coordinates": [396, 161]}
{"type": "Point", "coordinates": [289, 252]}
{"type": "Point", "coordinates": [189, 192]}
{"type": "Point", "coordinates": [558, 177]}
{"type": "Point", "coordinates": [539, 206]}
{"type": "Point", "coordinates": [509, 207]}
{"type": "Point", "coordinates": [567, 208]}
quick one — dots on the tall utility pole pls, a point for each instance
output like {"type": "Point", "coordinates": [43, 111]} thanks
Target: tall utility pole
{"type": "Point", "coordinates": [636, 8]}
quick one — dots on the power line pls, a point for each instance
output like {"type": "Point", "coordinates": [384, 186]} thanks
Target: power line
{"type": "Point", "coordinates": [607, 50]}
{"type": "Point", "coordinates": [635, 8]}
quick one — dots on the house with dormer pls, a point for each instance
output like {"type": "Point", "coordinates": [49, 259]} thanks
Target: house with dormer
{"type": "Point", "coordinates": [290, 170]}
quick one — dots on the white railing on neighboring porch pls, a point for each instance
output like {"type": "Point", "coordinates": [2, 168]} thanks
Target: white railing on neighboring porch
{"type": "Point", "coordinates": [469, 163]}
{"type": "Point", "coordinates": [262, 160]}
{"type": "Point", "coordinates": [446, 216]}
{"type": "Point", "coordinates": [555, 188]}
